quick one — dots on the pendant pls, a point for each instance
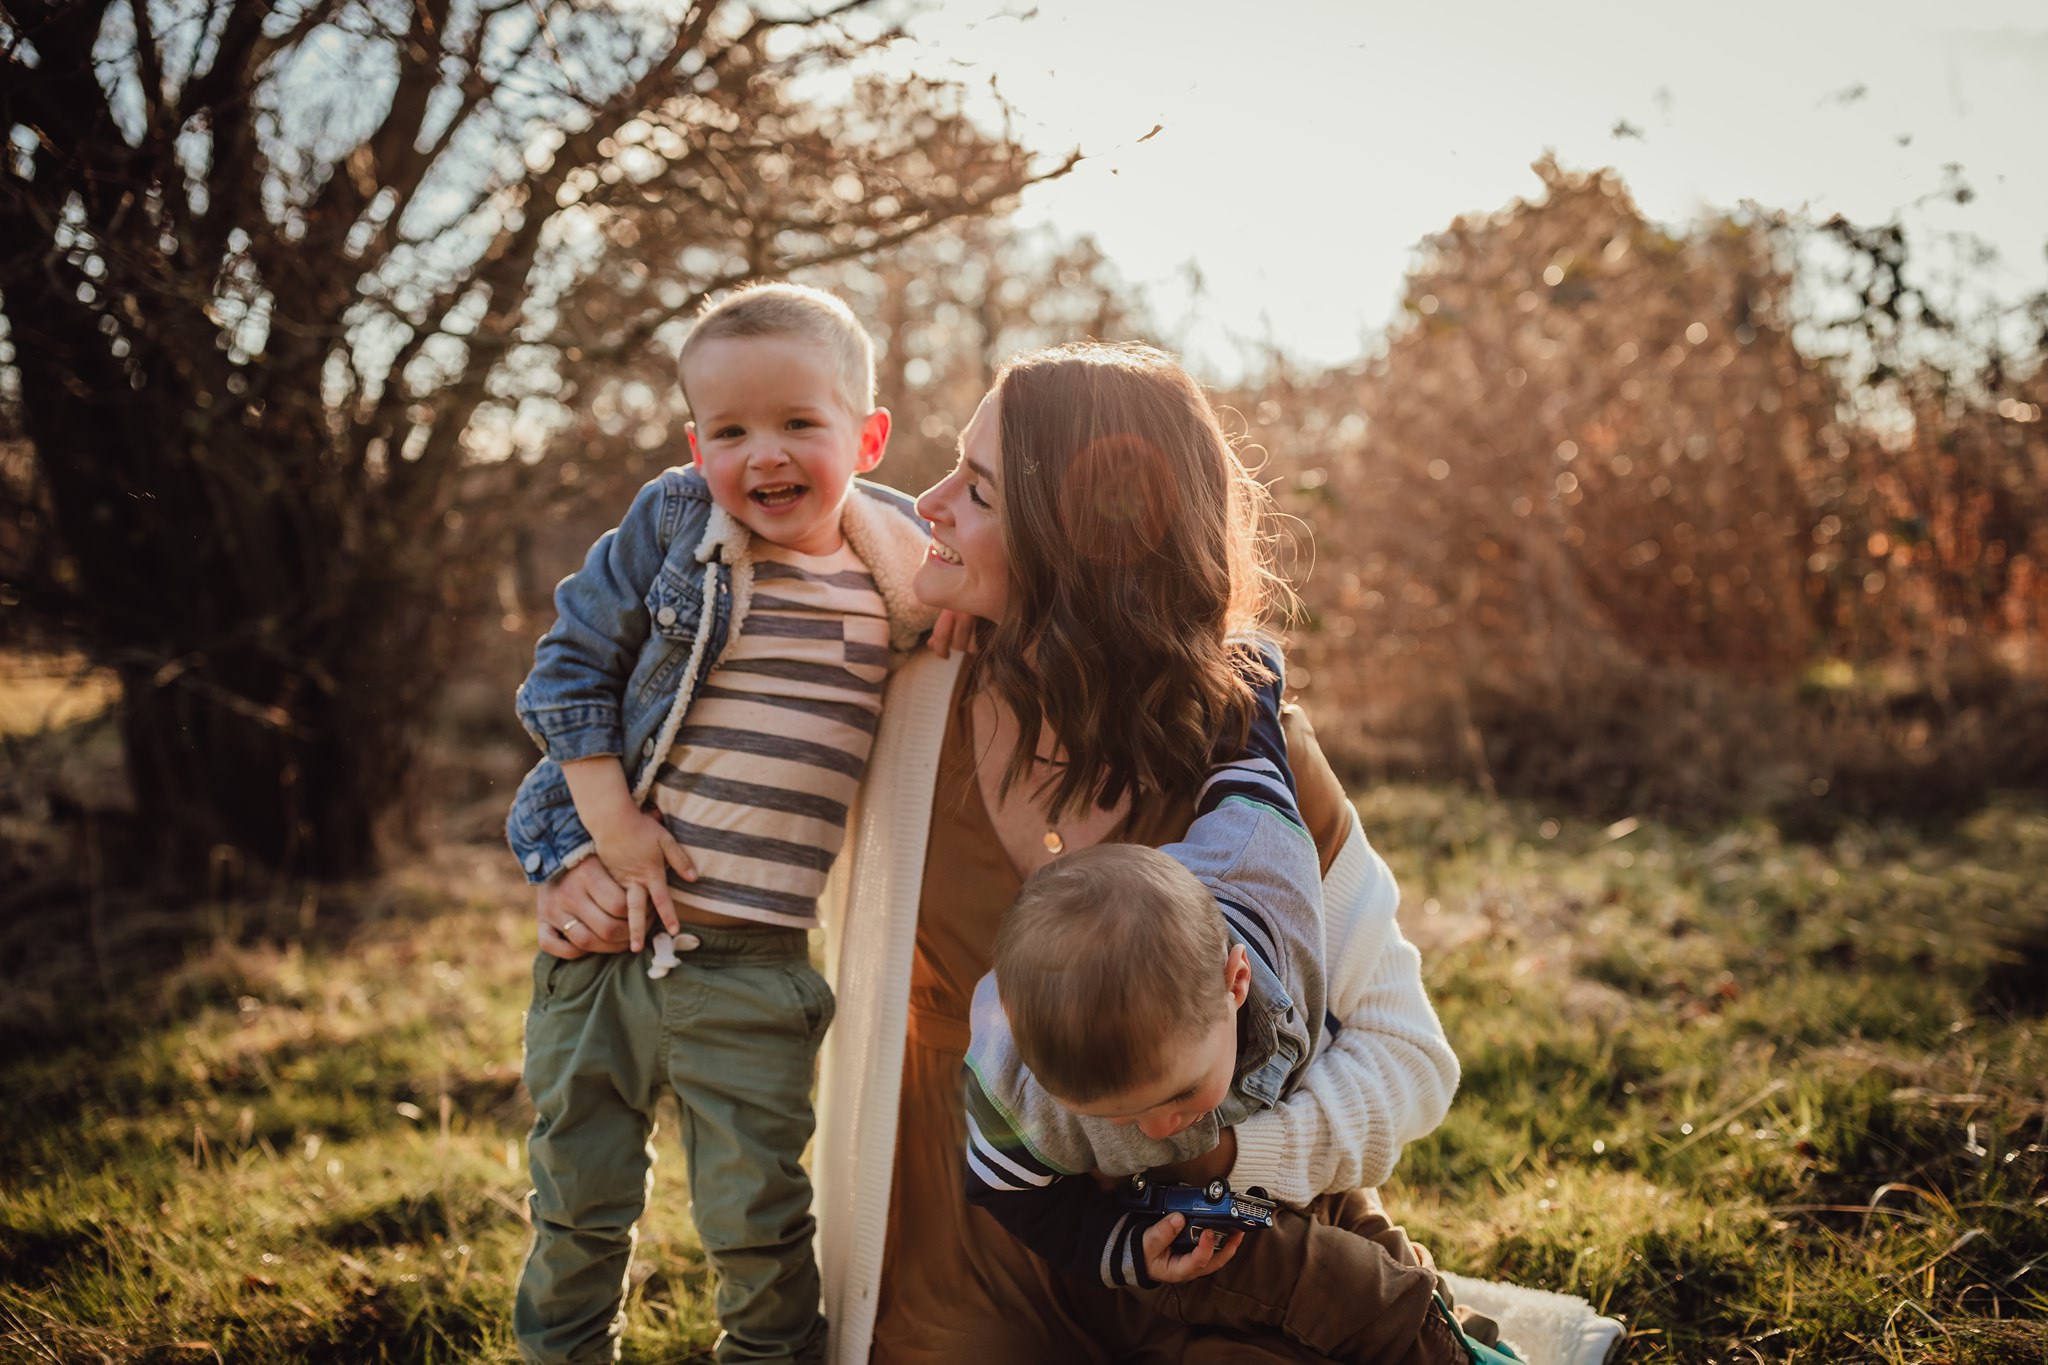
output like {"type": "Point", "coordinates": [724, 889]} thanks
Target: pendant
{"type": "Point", "coordinates": [1053, 843]}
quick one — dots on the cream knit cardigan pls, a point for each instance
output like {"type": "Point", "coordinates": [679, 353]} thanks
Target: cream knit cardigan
{"type": "Point", "coordinates": [1384, 1079]}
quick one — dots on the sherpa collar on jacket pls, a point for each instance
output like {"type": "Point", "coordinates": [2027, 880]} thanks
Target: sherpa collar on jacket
{"type": "Point", "coordinates": [888, 542]}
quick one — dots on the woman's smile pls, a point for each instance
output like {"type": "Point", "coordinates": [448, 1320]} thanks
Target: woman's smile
{"type": "Point", "coordinates": [967, 568]}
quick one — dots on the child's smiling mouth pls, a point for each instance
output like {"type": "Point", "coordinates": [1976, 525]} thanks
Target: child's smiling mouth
{"type": "Point", "coordinates": [778, 495]}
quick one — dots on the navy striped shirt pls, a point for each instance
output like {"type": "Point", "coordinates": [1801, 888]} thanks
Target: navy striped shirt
{"type": "Point", "coordinates": [757, 784]}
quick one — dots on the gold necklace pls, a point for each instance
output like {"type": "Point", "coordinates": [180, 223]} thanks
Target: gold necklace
{"type": "Point", "coordinates": [1051, 839]}
{"type": "Point", "coordinates": [1054, 844]}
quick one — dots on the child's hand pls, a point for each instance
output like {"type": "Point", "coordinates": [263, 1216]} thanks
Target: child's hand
{"type": "Point", "coordinates": [637, 849]}
{"type": "Point", "coordinates": [1210, 1255]}
{"type": "Point", "coordinates": [953, 630]}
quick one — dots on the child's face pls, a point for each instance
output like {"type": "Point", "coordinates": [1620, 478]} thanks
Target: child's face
{"type": "Point", "coordinates": [775, 439]}
{"type": "Point", "coordinates": [1195, 1076]}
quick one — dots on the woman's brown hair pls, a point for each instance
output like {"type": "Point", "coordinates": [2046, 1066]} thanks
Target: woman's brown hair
{"type": "Point", "coordinates": [1136, 542]}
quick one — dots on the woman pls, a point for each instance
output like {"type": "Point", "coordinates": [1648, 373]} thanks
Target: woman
{"type": "Point", "coordinates": [1103, 532]}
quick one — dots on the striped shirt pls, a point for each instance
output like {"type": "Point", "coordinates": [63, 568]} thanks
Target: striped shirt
{"type": "Point", "coordinates": [757, 783]}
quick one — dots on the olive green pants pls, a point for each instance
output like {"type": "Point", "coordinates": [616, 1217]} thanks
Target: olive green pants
{"type": "Point", "coordinates": [733, 1032]}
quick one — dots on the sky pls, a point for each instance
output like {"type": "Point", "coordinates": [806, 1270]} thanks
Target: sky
{"type": "Point", "coordinates": [1306, 147]}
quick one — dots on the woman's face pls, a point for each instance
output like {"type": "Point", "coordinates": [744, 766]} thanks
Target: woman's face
{"type": "Point", "coordinates": [967, 568]}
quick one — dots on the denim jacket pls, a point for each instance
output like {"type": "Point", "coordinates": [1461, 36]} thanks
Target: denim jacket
{"type": "Point", "coordinates": [644, 620]}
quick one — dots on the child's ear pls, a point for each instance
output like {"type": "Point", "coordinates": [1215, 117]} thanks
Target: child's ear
{"type": "Point", "coordinates": [874, 439]}
{"type": "Point", "coordinates": [690, 431]}
{"type": "Point", "coordinates": [1237, 975]}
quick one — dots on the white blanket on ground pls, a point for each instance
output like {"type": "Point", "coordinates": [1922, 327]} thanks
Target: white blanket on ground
{"type": "Point", "coordinates": [1546, 1328]}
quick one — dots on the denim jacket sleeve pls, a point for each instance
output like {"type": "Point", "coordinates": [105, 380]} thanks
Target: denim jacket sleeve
{"type": "Point", "coordinates": [572, 703]}
{"type": "Point", "coordinates": [543, 829]}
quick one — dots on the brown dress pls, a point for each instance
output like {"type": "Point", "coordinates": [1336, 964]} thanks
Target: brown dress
{"type": "Point", "coordinates": [957, 1288]}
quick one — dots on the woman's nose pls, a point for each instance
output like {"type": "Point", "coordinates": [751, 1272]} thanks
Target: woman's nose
{"type": "Point", "coordinates": [930, 501]}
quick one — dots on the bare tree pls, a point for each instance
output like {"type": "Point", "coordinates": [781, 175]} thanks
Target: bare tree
{"type": "Point", "coordinates": [297, 293]}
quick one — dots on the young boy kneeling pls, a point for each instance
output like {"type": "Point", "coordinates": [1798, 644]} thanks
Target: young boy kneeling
{"type": "Point", "coordinates": [1128, 1022]}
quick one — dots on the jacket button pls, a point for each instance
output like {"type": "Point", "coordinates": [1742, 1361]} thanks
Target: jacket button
{"type": "Point", "coordinates": [667, 616]}
{"type": "Point", "coordinates": [647, 749]}
{"type": "Point", "coordinates": [533, 861]}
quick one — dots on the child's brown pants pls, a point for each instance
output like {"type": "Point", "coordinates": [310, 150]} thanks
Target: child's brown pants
{"type": "Point", "coordinates": [1337, 1278]}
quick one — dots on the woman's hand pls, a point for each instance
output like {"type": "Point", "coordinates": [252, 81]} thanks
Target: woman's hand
{"type": "Point", "coordinates": [583, 911]}
{"type": "Point", "coordinates": [638, 853]}
{"type": "Point", "coordinates": [953, 630]}
{"type": "Point", "coordinates": [1210, 1255]}
{"type": "Point", "coordinates": [636, 847]}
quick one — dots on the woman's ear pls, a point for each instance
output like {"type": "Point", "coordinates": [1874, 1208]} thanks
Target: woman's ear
{"type": "Point", "coordinates": [1237, 974]}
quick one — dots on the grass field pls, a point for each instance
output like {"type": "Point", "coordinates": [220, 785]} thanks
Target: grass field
{"type": "Point", "coordinates": [1765, 1101]}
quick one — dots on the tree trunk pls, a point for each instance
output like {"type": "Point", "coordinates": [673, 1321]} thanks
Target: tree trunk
{"type": "Point", "coordinates": [268, 676]}
{"type": "Point", "coordinates": [233, 793]}
{"type": "Point", "coordinates": [216, 789]}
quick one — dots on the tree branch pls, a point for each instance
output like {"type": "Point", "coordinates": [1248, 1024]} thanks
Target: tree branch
{"type": "Point", "coordinates": [150, 74]}
{"type": "Point", "coordinates": [643, 328]}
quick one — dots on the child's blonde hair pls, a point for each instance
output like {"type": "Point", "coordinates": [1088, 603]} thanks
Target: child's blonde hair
{"type": "Point", "coordinates": [791, 310]}
{"type": "Point", "coordinates": [1110, 958]}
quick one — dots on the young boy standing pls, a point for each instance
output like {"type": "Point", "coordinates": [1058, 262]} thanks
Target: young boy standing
{"type": "Point", "coordinates": [1128, 1022]}
{"type": "Point", "coordinates": [706, 701]}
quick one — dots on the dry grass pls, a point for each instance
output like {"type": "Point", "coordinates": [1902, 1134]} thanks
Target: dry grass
{"type": "Point", "coordinates": [1765, 1099]}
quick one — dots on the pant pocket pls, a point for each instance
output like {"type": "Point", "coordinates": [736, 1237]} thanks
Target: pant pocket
{"type": "Point", "coordinates": [544, 966]}
{"type": "Point", "coordinates": [814, 997]}
{"type": "Point", "coordinates": [558, 980]}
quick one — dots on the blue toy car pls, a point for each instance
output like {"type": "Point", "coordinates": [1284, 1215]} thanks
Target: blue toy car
{"type": "Point", "coordinates": [1214, 1205]}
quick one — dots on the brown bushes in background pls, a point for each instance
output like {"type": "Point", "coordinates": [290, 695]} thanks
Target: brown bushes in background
{"type": "Point", "coordinates": [1599, 525]}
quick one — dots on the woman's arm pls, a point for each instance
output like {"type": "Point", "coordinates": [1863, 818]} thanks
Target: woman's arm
{"type": "Point", "coordinates": [1325, 806]}
{"type": "Point", "coordinates": [1387, 1073]}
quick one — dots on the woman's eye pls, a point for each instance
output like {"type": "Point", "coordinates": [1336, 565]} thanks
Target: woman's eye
{"type": "Point", "coordinates": [974, 496]}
